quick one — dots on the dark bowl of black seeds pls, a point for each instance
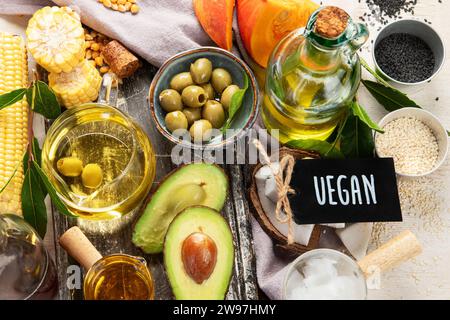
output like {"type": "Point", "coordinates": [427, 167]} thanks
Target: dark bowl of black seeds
{"type": "Point", "coordinates": [408, 52]}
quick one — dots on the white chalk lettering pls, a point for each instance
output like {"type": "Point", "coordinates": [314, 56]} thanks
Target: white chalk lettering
{"type": "Point", "coordinates": [321, 198]}
{"type": "Point", "coordinates": [330, 191]}
{"type": "Point", "coordinates": [369, 187]}
{"type": "Point", "coordinates": [356, 190]}
{"type": "Point", "coordinates": [341, 192]}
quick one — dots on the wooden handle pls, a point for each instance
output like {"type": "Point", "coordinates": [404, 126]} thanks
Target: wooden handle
{"type": "Point", "coordinates": [79, 247]}
{"type": "Point", "coordinates": [397, 250]}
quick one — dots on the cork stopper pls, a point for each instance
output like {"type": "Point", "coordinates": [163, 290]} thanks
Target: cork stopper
{"type": "Point", "coordinates": [331, 22]}
{"type": "Point", "coordinates": [79, 247]}
{"type": "Point", "coordinates": [399, 249]}
{"type": "Point", "coordinates": [121, 61]}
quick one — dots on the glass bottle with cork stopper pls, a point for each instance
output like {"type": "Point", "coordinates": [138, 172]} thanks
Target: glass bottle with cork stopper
{"type": "Point", "coordinates": [313, 75]}
{"type": "Point", "coordinates": [112, 277]}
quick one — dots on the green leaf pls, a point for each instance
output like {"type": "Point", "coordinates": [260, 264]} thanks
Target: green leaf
{"type": "Point", "coordinates": [325, 149]}
{"type": "Point", "coordinates": [372, 72]}
{"type": "Point", "coordinates": [359, 111]}
{"type": "Point", "coordinates": [37, 153]}
{"type": "Point", "coordinates": [12, 97]}
{"type": "Point", "coordinates": [33, 204]}
{"type": "Point", "coordinates": [43, 100]}
{"type": "Point", "coordinates": [52, 192]}
{"type": "Point", "coordinates": [391, 99]}
{"type": "Point", "coordinates": [356, 139]}
{"type": "Point", "coordinates": [236, 103]}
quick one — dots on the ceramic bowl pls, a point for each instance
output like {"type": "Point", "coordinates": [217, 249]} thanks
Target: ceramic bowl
{"type": "Point", "coordinates": [432, 122]}
{"type": "Point", "coordinates": [220, 58]}
{"type": "Point", "coordinates": [419, 29]}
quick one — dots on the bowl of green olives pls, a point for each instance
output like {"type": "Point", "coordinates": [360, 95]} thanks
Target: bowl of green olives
{"type": "Point", "coordinates": [199, 93]}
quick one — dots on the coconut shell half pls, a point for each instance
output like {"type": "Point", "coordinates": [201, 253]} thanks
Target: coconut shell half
{"type": "Point", "coordinates": [260, 215]}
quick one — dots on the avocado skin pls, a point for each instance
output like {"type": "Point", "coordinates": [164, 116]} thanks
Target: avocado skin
{"type": "Point", "coordinates": [213, 224]}
{"type": "Point", "coordinates": [150, 229]}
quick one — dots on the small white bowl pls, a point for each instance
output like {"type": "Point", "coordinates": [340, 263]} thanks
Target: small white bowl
{"type": "Point", "coordinates": [419, 29]}
{"type": "Point", "coordinates": [432, 122]}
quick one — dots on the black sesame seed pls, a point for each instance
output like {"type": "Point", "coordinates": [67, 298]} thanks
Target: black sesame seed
{"type": "Point", "coordinates": [437, 99]}
{"type": "Point", "coordinates": [405, 57]}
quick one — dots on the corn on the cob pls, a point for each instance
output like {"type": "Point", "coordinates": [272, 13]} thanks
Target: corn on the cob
{"type": "Point", "coordinates": [13, 121]}
{"type": "Point", "coordinates": [56, 38]}
{"type": "Point", "coordinates": [79, 86]}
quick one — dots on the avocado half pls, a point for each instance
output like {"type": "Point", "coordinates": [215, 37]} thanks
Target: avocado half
{"type": "Point", "coordinates": [193, 184]}
{"type": "Point", "coordinates": [199, 255]}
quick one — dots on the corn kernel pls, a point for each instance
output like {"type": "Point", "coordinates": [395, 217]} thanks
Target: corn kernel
{"type": "Point", "coordinates": [88, 54]}
{"type": "Point", "coordinates": [95, 54]}
{"type": "Point", "coordinates": [107, 3]}
{"type": "Point", "coordinates": [121, 1]}
{"type": "Point", "coordinates": [134, 8]}
{"type": "Point", "coordinates": [122, 8]}
{"type": "Point", "coordinates": [95, 46]}
{"type": "Point", "coordinates": [99, 61]}
{"type": "Point", "coordinates": [127, 6]}
{"type": "Point", "coordinates": [104, 69]}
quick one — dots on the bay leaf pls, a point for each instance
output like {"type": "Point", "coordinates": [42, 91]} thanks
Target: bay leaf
{"type": "Point", "coordinates": [356, 139]}
{"type": "Point", "coordinates": [361, 113]}
{"type": "Point", "coordinates": [391, 99]}
{"type": "Point", "coordinates": [33, 204]}
{"type": "Point", "coordinates": [12, 97]}
{"type": "Point", "coordinates": [236, 103]}
{"type": "Point", "coordinates": [43, 100]}
{"type": "Point", "coordinates": [324, 148]}
{"type": "Point", "coordinates": [52, 192]}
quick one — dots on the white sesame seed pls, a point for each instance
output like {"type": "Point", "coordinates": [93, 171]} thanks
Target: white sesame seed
{"type": "Point", "coordinates": [411, 143]}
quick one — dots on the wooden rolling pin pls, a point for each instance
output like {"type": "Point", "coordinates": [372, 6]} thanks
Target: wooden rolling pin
{"type": "Point", "coordinates": [397, 250]}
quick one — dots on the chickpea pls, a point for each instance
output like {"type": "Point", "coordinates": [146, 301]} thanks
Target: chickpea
{"type": "Point", "coordinates": [92, 176]}
{"type": "Point", "coordinates": [70, 166]}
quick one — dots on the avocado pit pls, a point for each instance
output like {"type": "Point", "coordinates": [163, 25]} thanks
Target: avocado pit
{"type": "Point", "coordinates": [199, 256]}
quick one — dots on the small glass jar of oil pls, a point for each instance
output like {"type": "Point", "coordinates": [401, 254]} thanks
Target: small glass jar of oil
{"type": "Point", "coordinates": [104, 136]}
{"type": "Point", "coordinates": [312, 76]}
{"type": "Point", "coordinates": [119, 277]}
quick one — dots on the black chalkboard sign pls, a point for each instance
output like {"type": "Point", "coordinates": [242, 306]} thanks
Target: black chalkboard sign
{"type": "Point", "coordinates": [350, 190]}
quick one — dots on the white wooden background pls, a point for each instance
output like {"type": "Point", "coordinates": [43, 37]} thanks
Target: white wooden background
{"type": "Point", "coordinates": [428, 276]}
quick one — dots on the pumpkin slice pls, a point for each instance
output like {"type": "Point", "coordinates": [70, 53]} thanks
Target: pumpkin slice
{"type": "Point", "coordinates": [216, 18]}
{"type": "Point", "coordinates": [263, 23]}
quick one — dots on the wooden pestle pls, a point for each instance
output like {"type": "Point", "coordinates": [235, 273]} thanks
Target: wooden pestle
{"type": "Point", "coordinates": [397, 250]}
{"type": "Point", "coordinates": [79, 247]}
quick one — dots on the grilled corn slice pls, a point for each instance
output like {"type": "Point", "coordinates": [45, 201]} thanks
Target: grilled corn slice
{"type": "Point", "coordinates": [56, 38]}
{"type": "Point", "coordinates": [13, 122]}
{"type": "Point", "coordinates": [78, 86]}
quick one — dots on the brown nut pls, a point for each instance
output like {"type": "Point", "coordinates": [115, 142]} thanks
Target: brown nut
{"type": "Point", "coordinates": [199, 256]}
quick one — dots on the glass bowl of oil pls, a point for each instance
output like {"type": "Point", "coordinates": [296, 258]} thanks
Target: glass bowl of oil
{"type": "Point", "coordinates": [119, 277]}
{"type": "Point", "coordinates": [103, 135]}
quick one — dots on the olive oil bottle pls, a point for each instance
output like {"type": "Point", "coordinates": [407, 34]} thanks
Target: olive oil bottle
{"type": "Point", "coordinates": [313, 75]}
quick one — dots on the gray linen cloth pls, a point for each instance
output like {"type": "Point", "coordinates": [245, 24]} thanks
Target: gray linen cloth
{"type": "Point", "coordinates": [161, 29]}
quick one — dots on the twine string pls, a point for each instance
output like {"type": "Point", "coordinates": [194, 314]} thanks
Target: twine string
{"type": "Point", "coordinates": [283, 178]}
